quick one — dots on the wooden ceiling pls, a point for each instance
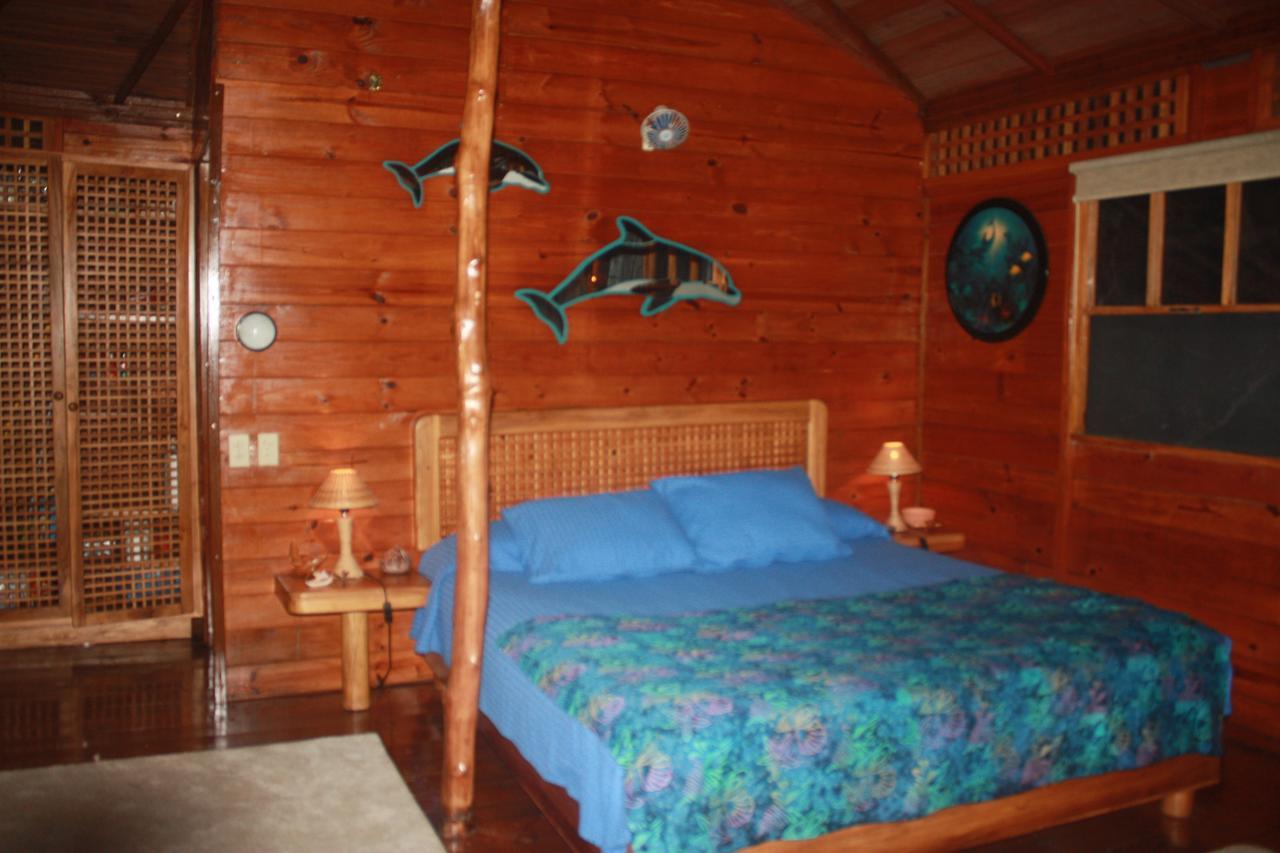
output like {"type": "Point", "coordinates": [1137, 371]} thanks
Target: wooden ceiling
{"type": "Point", "coordinates": [114, 51]}
{"type": "Point", "coordinates": [960, 58]}
{"type": "Point", "coordinates": [955, 58]}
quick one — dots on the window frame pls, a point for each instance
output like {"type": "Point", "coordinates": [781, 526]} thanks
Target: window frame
{"type": "Point", "coordinates": [1083, 298]}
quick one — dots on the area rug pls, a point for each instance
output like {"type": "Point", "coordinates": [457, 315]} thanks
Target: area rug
{"type": "Point", "coordinates": [337, 793]}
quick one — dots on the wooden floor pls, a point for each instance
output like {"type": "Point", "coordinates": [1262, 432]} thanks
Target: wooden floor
{"type": "Point", "coordinates": [72, 705]}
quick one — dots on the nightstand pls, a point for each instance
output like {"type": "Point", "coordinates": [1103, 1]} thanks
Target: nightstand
{"type": "Point", "coordinates": [355, 600]}
{"type": "Point", "coordinates": [938, 539]}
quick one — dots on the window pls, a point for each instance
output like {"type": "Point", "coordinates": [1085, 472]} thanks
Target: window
{"type": "Point", "coordinates": [1179, 296]}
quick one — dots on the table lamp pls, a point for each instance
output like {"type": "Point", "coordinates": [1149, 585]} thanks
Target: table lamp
{"type": "Point", "coordinates": [344, 491]}
{"type": "Point", "coordinates": [893, 461]}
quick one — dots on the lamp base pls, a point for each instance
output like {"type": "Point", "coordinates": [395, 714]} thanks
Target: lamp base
{"type": "Point", "coordinates": [895, 522]}
{"type": "Point", "coordinates": [346, 568]}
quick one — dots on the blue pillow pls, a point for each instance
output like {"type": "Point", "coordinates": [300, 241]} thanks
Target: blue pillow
{"type": "Point", "coordinates": [596, 537]}
{"type": "Point", "coordinates": [850, 523]}
{"type": "Point", "coordinates": [504, 548]}
{"type": "Point", "coordinates": [504, 553]}
{"type": "Point", "coordinates": [751, 518]}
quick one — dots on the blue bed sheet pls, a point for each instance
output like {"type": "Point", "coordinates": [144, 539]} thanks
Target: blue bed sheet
{"type": "Point", "coordinates": [563, 750]}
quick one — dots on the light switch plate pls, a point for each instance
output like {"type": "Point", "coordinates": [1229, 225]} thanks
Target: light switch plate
{"type": "Point", "coordinates": [238, 449]}
{"type": "Point", "coordinates": [268, 448]}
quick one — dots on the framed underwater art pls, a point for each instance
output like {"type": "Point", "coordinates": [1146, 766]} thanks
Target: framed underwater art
{"type": "Point", "coordinates": [997, 269]}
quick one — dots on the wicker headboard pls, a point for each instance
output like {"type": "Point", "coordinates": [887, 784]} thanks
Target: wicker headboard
{"type": "Point", "coordinates": [552, 452]}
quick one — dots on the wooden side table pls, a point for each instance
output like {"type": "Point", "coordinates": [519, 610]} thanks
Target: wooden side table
{"type": "Point", "coordinates": [355, 600]}
{"type": "Point", "coordinates": [937, 539]}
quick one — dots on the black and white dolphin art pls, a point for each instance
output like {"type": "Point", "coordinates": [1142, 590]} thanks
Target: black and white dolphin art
{"type": "Point", "coordinates": [638, 262]}
{"type": "Point", "coordinates": [508, 167]}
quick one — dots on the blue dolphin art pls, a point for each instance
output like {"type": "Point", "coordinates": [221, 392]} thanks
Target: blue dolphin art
{"type": "Point", "coordinates": [508, 167]}
{"type": "Point", "coordinates": [638, 262]}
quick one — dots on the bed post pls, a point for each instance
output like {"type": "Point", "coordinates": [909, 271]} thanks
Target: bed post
{"type": "Point", "coordinates": [1179, 804]}
{"type": "Point", "coordinates": [471, 598]}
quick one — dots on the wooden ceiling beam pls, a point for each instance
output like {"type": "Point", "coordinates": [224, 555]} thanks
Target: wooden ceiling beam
{"type": "Point", "coordinates": [1002, 34]}
{"type": "Point", "coordinates": [202, 74]}
{"type": "Point", "coordinates": [151, 48]}
{"type": "Point", "coordinates": [1193, 12]}
{"type": "Point", "coordinates": [1088, 72]}
{"type": "Point", "coordinates": [41, 100]}
{"type": "Point", "coordinates": [834, 23]}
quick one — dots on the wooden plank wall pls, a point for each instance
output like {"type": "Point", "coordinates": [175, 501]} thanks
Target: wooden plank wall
{"type": "Point", "coordinates": [991, 411]}
{"type": "Point", "coordinates": [1197, 533]}
{"type": "Point", "coordinates": [802, 176]}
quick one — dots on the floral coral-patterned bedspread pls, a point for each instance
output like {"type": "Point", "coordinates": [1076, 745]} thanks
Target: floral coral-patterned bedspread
{"type": "Point", "coordinates": [794, 719]}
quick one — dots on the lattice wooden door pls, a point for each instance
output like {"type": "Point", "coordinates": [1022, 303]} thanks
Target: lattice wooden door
{"type": "Point", "coordinates": [128, 229]}
{"type": "Point", "coordinates": [95, 521]}
{"type": "Point", "coordinates": [30, 580]}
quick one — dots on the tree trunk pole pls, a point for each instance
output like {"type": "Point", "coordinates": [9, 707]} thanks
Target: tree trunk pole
{"type": "Point", "coordinates": [471, 594]}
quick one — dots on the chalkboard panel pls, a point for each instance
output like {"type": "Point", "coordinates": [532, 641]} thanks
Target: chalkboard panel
{"type": "Point", "coordinates": [1196, 380]}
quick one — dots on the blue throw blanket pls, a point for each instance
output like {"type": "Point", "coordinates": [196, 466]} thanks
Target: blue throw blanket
{"type": "Point", "coordinates": [787, 721]}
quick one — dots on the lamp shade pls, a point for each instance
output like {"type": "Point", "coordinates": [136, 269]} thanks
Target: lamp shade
{"type": "Point", "coordinates": [894, 460]}
{"type": "Point", "coordinates": [343, 489]}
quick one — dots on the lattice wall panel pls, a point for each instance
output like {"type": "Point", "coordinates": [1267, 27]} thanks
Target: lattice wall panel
{"type": "Point", "coordinates": [29, 576]}
{"type": "Point", "coordinates": [29, 134]}
{"type": "Point", "coordinates": [529, 465]}
{"type": "Point", "coordinates": [1132, 114]}
{"type": "Point", "coordinates": [128, 267]}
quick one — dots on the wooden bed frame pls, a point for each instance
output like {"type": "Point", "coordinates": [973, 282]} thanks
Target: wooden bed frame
{"type": "Point", "coordinates": [547, 453]}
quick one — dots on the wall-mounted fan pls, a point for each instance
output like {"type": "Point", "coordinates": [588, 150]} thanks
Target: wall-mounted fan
{"type": "Point", "coordinates": [662, 129]}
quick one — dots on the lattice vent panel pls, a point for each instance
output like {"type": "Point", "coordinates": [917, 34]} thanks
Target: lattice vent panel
{"type": "Point", "coordinates": [30, 134]}
{"type": "Point", "coordinates": [128, 270]}
{"type": "Point", "coordinates": [29, 576]}
{"type": "Point", "coordinates": [525, 466]}
{"type": "Point", "coordinates": [1131, 114]}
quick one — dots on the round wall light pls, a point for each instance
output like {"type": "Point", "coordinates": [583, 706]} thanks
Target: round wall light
{"type": "Point", "coordinates": [256, 331]}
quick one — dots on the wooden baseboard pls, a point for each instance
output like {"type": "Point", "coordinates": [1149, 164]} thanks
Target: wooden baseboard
{"type": "Point", "coordinates": [15, 634]}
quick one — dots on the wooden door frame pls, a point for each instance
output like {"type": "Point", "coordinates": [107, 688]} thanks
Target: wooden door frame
{"type": "Point", "coordinates": [209, 305]}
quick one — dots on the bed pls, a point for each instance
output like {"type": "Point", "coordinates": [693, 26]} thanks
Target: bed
{"type": "Point", "coordinates": [573, 773]}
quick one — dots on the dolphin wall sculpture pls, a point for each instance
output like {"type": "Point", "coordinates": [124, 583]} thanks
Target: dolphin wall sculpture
{"type": "Point", "coordinates": [508, 167]}
{"type": "Point", "coordinates": [638, 262]}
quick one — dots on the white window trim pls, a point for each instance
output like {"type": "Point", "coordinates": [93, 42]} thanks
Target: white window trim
{"type": "Point", "coordinates": [1252, 157]}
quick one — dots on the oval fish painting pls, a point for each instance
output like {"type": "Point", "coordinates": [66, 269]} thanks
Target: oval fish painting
{"type": "Point", "coordinates": [997, 267]}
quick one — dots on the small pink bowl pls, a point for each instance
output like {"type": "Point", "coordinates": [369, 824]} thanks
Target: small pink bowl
{"type": "Point", "coordinates": [919, 516]}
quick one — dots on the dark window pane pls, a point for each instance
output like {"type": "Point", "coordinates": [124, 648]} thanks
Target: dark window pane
{"type": "Point", "coordinates": [1196, 380]}
{"type": "Point", "coordinates": [1194, 221]}
{"type": "Point", "coordinates": [1259, 276]}
{"type": "Point", "coordinates": [1121, 275]}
